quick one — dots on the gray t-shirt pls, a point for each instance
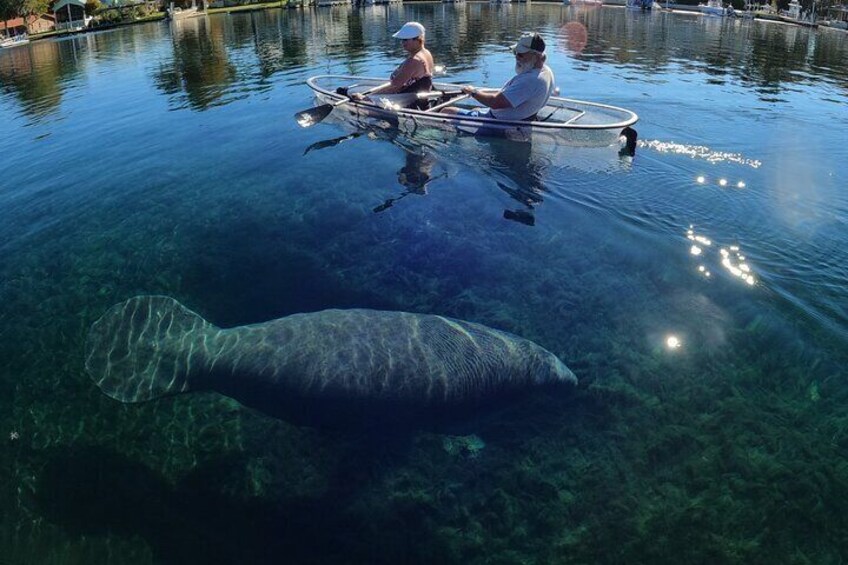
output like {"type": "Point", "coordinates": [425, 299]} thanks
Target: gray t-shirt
{"type": "Point", "coordinates": [528, 93]}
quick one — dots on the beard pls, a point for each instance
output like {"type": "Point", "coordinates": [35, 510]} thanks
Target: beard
{"type": "Point", "coordinates": [524, 66]}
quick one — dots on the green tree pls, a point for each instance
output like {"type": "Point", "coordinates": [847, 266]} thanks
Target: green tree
{"type": "Point", "coordinates": [91, 6]}
{"type": "Point", "coordinates": [8, 11]}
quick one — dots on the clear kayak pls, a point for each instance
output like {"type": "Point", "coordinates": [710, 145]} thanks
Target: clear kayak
{"type": "Point", "coordinates": [562, 121]}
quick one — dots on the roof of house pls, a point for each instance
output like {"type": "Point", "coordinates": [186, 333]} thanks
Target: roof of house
{"type": "Point", "coordinates": [19, 22]}
{"type": "Point", "coordinates": [62, 3]}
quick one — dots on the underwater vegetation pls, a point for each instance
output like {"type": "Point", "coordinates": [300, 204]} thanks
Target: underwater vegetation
{"type": "Point", "coordinates": [709, 422]}
{"type": "Point", "coordinates": [699, 458]}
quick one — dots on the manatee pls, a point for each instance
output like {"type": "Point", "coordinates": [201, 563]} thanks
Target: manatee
{"type": "Point", "coordinates": [333, 367]}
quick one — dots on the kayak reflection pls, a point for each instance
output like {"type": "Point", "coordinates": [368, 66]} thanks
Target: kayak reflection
{"type": "Point", "coordinates": [518, 169]}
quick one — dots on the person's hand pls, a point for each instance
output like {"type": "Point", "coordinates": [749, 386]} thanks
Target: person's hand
{"type": "Point", "coordinates": [469, 90]}
{"type": "Point", "coordinates": [356, 96]}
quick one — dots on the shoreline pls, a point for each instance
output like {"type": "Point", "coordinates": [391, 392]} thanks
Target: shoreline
{"type": "Point", "coordinates": [297, 5]}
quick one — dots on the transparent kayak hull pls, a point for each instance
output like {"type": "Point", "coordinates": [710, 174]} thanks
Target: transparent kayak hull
{"type": "Point", "coordinates": [562, 121]}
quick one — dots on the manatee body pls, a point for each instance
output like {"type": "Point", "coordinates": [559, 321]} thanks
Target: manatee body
{"type": "Point", "coordinates": [329, 367]}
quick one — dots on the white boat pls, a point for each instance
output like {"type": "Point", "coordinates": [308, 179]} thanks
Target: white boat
{"type": "Point", "coordinates": [713, 8]}
{"type": "Point", "coordinates": [14, 41]}
{"type": "Point", "coordinates": [562, 121]}
{"type": "Point", "coordinates": [176, 13]}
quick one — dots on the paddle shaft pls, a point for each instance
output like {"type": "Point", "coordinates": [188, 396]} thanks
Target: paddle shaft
{"type": "Point", "coordinates": [450, 102]}
{"type": "Point", "coordinates": [363, 93]}
{"type": "Point", "coordinates": [310, 117]}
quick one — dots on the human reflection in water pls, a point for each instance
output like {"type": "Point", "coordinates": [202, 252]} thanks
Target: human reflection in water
{"type": "Point", "coordinates": [515, 168]}
{"type": "Point", "coordinates": [417, 171]}
{"type": "Point", "coordinates": [520, 174]}
{"type": "Point", "coordinates": [519, 169]}
{"type": "Point", "coordinates": [415, 175]}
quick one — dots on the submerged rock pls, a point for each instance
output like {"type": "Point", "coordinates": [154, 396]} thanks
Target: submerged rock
{"type": "Point", "coordinates": [464, 446]}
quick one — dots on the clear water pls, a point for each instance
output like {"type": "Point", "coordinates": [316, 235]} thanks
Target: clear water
{"type": "Point", "coordinates": [165, 160]}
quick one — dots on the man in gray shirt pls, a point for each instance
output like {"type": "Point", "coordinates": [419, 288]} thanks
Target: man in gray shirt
{"type": "Point", "coordinates": [525, 94]}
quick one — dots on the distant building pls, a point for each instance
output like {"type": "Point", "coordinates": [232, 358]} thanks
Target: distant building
{"type": "Point", "coordinates": [837, 16]}
{"type": "Point", "coordinates": [37, 24]}
{"type": "Point", "coordinates": [70, 14]}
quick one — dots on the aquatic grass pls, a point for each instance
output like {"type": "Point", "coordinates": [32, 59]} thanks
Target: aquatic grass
{"type": "Point", "coordinates": [552, 492]}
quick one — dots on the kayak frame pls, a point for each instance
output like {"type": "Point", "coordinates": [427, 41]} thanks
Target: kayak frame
{"type": "Point", "coordinates": [566, 132]}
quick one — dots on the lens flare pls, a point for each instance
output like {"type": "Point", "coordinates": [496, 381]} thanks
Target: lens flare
{"type": "Point", "coordinates": [576, 37]}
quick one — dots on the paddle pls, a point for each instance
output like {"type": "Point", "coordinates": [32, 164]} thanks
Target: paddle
{"type": "Point", "coordinates": [310, 117]}
{"type": "Point", "coordinates": [450, 102]}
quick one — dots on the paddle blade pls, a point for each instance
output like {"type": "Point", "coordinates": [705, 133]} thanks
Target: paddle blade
{"type": "Point", "coordinates": [310, 117]}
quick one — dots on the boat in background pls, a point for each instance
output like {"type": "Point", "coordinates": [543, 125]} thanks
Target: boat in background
{"type": "Point", "coordinates": [14, 41]}
{"type": "Point", "coordinates": [175, 13]}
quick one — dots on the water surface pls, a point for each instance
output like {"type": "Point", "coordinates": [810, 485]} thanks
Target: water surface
{"type": "Point", "coordinates": [163, 159]}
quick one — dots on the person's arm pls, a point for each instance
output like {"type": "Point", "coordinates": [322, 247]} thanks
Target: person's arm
{"type": "Point", "coordinates": [404, 72]}
{"type": "Point", "coordinates": [495, 100]}
{"type": "Point", "coordinates": [408, 71]}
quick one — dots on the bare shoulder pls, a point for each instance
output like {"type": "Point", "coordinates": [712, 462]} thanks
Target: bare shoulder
{"type": "Point", "coordinates": [426, 59]}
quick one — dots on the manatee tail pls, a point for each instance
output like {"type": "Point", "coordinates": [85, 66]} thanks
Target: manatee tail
{"type": "Point", "coordinates": [144, 348]}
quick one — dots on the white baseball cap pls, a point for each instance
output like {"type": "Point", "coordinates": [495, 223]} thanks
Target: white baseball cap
{"type": "Point", "coordinates": [410, 30]}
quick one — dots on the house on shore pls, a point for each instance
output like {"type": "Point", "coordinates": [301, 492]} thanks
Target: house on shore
{"type": "Point", "coordinates": [837, 16]}
{"type": "Point", "coordinates": [36, 24]}
{"type": "Point", "coordinates": [70, 15]}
